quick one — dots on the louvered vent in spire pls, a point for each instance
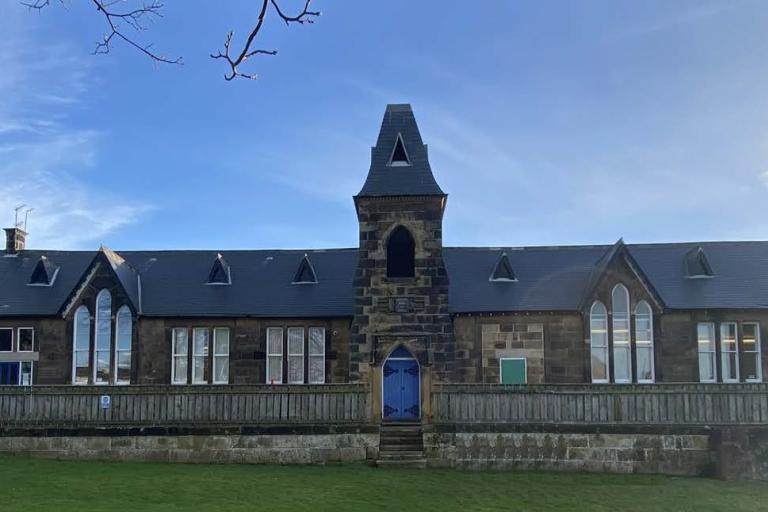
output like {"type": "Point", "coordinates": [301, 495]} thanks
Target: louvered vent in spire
{"type": "Point", "coordinates": [399, 156]}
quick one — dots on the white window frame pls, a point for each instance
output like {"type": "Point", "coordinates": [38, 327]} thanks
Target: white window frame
{"type": "Point", "coordinates": [203, 356]}
{"type": "Point", "coordinates": [118, 351]}
{"type": "Point", "coordinates": [96, 349]}
{"type": "Point", "coordinates": [217, 355]}
{"type": "Point", "coordinates": [310, 355]}
{"type": "Point", "coordinates": [735, 351]}
{"type": "Point", "coordinates": [12, 340]}
{"type": "Point", "coordinates": [712, 352]}
{"type": "Point", "coordinates": [175, 355]}
{"type": "Point", "coordinates": [525, 368]}
{"type": "Point", "coordinates": [75, 351]}
{"type": "Point", "coordinates": [758, 351]}
{"type": "Point", "coordinates": [605, 348]}
{"type": "Point", "coordinates": [275, 354]}
{"type": "Point", "coordinates": [623, 345]}
{"type": "Point", "coordinates": [18, 338]}
{"type": "Point", "coordinates": [645, 344]}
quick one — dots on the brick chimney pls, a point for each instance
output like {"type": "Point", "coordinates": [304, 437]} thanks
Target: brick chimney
{"type": "Point", "coordinates": [15, 239]}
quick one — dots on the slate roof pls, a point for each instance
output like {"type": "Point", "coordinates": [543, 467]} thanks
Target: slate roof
{"type": "Point", "coordinates": [413, 180]}
{"type": "Point", "coordinates": [173, 283]}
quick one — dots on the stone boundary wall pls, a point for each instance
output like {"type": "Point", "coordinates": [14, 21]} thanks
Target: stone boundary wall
{"type": "Point", "coordinates": [670, 454]}
{"type": "Point", "coordinates": [201, 448]}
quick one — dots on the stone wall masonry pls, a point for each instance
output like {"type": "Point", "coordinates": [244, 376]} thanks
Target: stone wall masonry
{"type": "Point", "coordinates": [669, 454]}
{"type": "Point", "coordinates": [246, 449]}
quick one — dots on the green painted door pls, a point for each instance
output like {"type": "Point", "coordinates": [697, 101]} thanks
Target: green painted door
{"type": "Point", "coordinates": [513, 371]}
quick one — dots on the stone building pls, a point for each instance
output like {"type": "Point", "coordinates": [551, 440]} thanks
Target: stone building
{"type": "Point", "coordinates": [399, 312]}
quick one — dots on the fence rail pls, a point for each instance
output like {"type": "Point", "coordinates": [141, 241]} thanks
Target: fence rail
{"type": "Point", "coordinates": [184, 405]}
{"type": "Point", "coordinates": [652, 404]}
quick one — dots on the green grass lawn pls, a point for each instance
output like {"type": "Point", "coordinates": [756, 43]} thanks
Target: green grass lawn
{"type": "Point", "coordinates": [58, 486]}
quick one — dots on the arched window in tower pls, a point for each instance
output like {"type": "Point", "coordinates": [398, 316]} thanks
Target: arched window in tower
{"type": "Point", "coordinates": [400, 253]}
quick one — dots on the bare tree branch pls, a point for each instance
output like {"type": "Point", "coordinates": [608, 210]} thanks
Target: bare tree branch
{"type": "Point", "coordinates": [139, 18]}
{"type": "Point", "coordinates": [305, 16]}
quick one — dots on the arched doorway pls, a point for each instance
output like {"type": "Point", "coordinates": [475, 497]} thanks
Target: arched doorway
{"type": "Point", "coordinates": [401, 387]}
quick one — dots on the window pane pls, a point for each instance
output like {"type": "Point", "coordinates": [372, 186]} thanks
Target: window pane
{"type": "Point", "coordinates": [81, 359]}
{"type": "Point", "coordinates": [221, 342]}
{"type": "Point", "coordinates": [750, 365]}
{"type": "Point", "coordinates": [275, 369]}
{"type": "Point", "coordinates": [644, 366]}
{"type": "Point", "coordinates": [103, 320]}
{"type": "Point", "coordinates": [599, 367]}
{"type": "Point", "coordinates": [81, 372]}
{"type": "Point", "coordinates": [317, 369]}
{"type": "Point", "coordinates": [180, 369]}
{"type": "Point", "coordinates": [200, 342]}
{"type": "Point", "coordinates": [622, 372]}
{"type": "Point", "coordinates": [316, 341]}
{"type": "Point", "coordinates": [180, 344]}
{"type": "Point", "coordinates": [6, 340]}
{"type": "Point", "coordinates": [124, 366]}
{"type": "Point", "coordinates": [26, 340]}
{"type": "Point", "coordinates": [729, 352]}
{"type": "Point", "coordinates": [102, 366]}
{"type": "Point", "coordinates": [198, 369]}
{"type": "Point", "coordinates": [706, 337]}
{"type": "Point", "coordinates": [221, 369]}
{"type": "Point", "coordinates": [124, 328]}
{"type": "Point", "coordinates": [750, 340]}
{"type": "Point", "coordinates": [275, 340]}
{"type": "Point", "coordinates": [706, 366]}
{"type": "Point", "coordinates": [82, 329]}
{"type": "Point", "coordinates": [295, 340]}
{"type": "Point", "coordinates": [26, 373]}
{"type": "Point", "coordinates": [295, 369]}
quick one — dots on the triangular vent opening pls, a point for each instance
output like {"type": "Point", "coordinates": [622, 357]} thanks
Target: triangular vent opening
{"type": "Point", "coordinates": [220, 272]}
{"type": "Point", "coordinates": [503, 270]}
{"type": "Point", "coordinates": [399, 156]}
{"type": "Point", "coordinates": [44, 273]}
{"type": "Point", "coordinates": [306, 273]}
{"type": "Point", "coordinates": [697, 264]}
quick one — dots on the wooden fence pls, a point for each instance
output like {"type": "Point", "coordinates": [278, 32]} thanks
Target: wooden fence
{"type": "Point", "coordinates": [651, 404]}
{"type": "Point", "coordinates": [54, 406]}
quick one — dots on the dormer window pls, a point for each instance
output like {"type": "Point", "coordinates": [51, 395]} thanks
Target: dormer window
{"type": "Point", "coordinates": [503, 272]}
{"type": "Point", "coordinates": [697, 265]}
{"type": "Point", "coordinates": [399, 157]}
{"type": "Point", "coordinates": [220, 272]}
{"type": "Point", "coordinates": [44, 274]}
{"type": "Point", "coordinates": [305, 273]}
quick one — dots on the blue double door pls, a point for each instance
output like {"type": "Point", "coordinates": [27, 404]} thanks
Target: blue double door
{"type": "Point", "coordinates": [9, 374]}
{"type": "Point", "coordinates": [401, 389]}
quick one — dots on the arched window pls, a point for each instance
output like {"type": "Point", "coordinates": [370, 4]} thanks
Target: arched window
{"type": "Point", "coordinates": [598, 341]}
{"type": "Point", "coordinates": [124, 334]}
{"type": "Point", "coordinates": [622, 351]}
{"type": "Point", "coordinates": [644, 342]}
{"type": "Point", "coordinates": [103, 353]}
{"type": "Point", "coordinates": [400, 253]}
{"type": "Point", "coordinates": [81, 346]}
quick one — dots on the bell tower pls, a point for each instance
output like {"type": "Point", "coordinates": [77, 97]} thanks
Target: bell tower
{"type": "Point", "coordinates": [401, 284]}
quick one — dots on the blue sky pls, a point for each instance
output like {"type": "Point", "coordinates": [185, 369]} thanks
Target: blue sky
{"type": "Point", "coordinates": [547, 123]}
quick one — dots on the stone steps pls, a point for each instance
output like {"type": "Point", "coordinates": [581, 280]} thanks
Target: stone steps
{"type": "Point", "coordinates": [401, 445]}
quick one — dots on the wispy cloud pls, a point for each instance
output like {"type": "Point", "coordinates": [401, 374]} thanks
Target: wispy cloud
{"type": "Point", "coordinates": [44, 156]}
{"type": "Point", "coordinates": [693, 15]}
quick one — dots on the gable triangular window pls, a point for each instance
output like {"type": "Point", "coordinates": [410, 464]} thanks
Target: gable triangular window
{"type": "Point", "coordinates": [44, 273]}
{"type": "Point", "coordinates": [503, 270]}
{"type": "Point", "coordinates": [220, 272]}
{"type": "Point", "coordinates": [306, 273]}
{"type": "Point", "coordinates": [399, 156]}
{"type": "Point", "coordinates": [697, 264]}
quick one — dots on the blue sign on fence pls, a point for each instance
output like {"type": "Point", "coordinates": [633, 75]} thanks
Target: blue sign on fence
{"type": "Point", "coordinates": [105, 401]}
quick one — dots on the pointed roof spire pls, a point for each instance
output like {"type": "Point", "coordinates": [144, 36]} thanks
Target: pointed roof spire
{"type": "Point", "coordinates": [697, 264]}
{"type": "Point", "coordinates": [220, 272]}
{"type": "Point", "coordinates": [399, 161]}
{"type": "Point", "coordinates": [45, 272]}
{"type": "Point", "coordinates": [503, 270]}
{"type": "Point", "coordinates": [305, 273]}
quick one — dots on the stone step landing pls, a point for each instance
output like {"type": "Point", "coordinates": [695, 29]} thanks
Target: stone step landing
{"type": "Point", "coordinates": [401, 445]}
